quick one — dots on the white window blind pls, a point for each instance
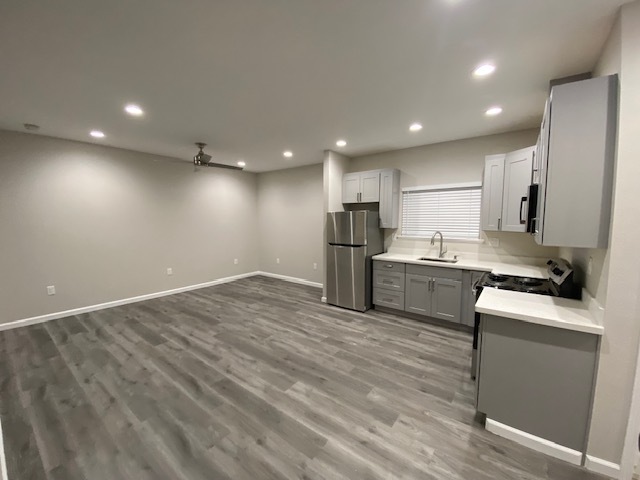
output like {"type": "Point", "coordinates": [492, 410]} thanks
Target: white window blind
{"type": "Point", "coordinates": [454, 211]}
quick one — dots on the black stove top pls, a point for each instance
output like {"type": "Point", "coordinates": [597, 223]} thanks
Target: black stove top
{"type": "Point", "coordinates": [518, 284]}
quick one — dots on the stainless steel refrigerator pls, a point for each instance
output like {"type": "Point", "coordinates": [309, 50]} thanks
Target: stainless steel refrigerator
{"type": "Point", "coordinates": [353, 238]}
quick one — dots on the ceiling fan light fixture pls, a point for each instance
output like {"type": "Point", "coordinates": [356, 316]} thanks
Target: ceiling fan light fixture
{"type": "Point", "coordinates": [201, 158]}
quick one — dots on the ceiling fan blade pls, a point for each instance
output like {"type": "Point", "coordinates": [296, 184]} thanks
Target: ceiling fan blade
{"type": "Point", "coordinates": [221, 165]}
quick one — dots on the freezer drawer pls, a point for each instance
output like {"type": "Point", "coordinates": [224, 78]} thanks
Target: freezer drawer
{"type": "Point", "coordinates": [348, 277]}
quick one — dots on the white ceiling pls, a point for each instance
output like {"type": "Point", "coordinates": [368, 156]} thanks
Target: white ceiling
{"type": "Point", "coordinates": [253, 78]}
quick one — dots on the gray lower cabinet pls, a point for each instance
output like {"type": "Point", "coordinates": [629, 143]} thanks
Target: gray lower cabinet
{"type": "Point", "coordinates": [434, 292]}
{"type": "Point", "coordinates": [446, 299]}
{"type": "Point", "coordinates": [389, 284]}
{"type": "Point", "coordinates": [443, 293]}
{"type": "Point", "coordinates": [469, 280]}
{"type": "Point", "coordinates": [537, 379]}
{"type": "Point", "coordinates": [388, 298]}
{"type": "Point", "coordinates": [418, 294]}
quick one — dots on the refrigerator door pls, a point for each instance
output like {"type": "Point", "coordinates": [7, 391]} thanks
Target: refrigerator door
{"type": "Point", "coordinates": [347, 277]}
{"type": "Point", "coordinates": [347, 228]}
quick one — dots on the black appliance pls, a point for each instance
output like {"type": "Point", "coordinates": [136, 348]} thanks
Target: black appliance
{"type": "Point", "coordinates": [532, 208]}
{"type": "Point", "coordinates": [559, 284]}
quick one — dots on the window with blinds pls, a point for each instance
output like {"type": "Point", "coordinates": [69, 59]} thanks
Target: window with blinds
{"type": "Point", "coordinates": [454, 211]}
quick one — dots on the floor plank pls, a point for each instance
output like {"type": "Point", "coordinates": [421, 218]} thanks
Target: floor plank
{"type": "Point", "coordinates": [255, 379]}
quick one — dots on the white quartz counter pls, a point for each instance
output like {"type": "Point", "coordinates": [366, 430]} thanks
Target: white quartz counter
{"type": "Point", "coordinates": [539, 309]}
{"type": "Point", "coordinates": [470, 264]}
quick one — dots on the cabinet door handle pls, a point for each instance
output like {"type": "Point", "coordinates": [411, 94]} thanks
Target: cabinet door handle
{"type": "Point", "coordinates": [389, 265]}
{"type": "Point", "coordinates": [499, 223]}
{"type": "Point", "coordinates": [522, 200]}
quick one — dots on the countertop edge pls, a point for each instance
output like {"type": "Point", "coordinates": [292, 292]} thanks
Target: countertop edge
{"type": "Point", "coordinates": [576, 327]}
{"type": "Point", "coordinates": [497, 267]}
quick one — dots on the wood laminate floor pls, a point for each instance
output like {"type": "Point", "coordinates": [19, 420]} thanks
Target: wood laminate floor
{"type": "Point", "coordinates": [252, 380]}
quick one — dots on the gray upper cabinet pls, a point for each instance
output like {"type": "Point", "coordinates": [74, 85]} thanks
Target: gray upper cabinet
{"type": "Point", "coordinates": [492, 189]}
{"type": "Point", "coordinates": [375, 186]}
{"type": "Point", "coordinates": [576, 166]}
{"type": "Point", "coordinates": [389, 198]}
{"type": "Point", "coordinates": [504, 190]}
{"type": "Point", "coordinates": [351, 188]}
{"type": "Point", "coordinates": [518, 166]}
{"type": "Point", "coordinates": [361, 187]}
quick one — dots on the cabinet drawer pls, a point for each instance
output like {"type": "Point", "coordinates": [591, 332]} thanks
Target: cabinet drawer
{"type": "Point", "coordinates": [388, 298]}
{"type": "Point", "coordinates": [388, 266]}
{"type": "Point", "coordinates": [388, 280]}
{"type": "Point", "coordinates": [429, 271]}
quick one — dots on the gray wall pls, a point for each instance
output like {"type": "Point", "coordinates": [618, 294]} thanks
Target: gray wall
{"type": "Point", "coordinates": [334, 166]}
{"type": "Point", "coordinates": [103, 224]}
{"type": "Point", "coordinates": [291, 222]}
{"type": "Point", "coordinates": [620, 266]}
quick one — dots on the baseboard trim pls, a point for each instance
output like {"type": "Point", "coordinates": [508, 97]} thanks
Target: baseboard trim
{"type": "Point", "coordinates": [116, 303]}
{"type": "Point", "coordinates": [603, 467]}
{"type": "Point", "coordinates": [286, 278]}
{"type": "Point", "coordinates": [535, 443]}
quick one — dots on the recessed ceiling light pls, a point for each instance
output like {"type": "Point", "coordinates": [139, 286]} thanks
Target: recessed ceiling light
{"type": "Point", "coordinates": [96, 134]}
{"type": "Point", "coordinates": [415, 127]}
{"type": "Point", "coordinates": [134, 110]}
{"type": "Point", "coordinates": [484, 70]}
{"type": "Point", "coordinates": [493, 111]}
{"type": "Point", "coordinates": [241, 163]}
{"type": "Point", "coordinates": [341, 143]}
{"type": "Point", "coordinates": [288, 154]}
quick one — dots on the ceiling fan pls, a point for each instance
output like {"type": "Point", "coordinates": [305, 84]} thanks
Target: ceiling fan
{"type": "Point", "coordinates": [202, 159]}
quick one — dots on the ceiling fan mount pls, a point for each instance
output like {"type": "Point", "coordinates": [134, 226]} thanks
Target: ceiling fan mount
{"type": "Point", "coordinates": [204, 160]}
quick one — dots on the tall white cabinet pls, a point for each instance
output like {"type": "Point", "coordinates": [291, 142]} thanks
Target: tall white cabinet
{"type": "Point", "coordinates": [577, 156]}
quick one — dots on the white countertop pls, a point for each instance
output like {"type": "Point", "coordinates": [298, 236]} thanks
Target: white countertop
{"type": "Point", "coordinates": [539, 309]}
{"type": "Point", "coordinates": [470, 263]}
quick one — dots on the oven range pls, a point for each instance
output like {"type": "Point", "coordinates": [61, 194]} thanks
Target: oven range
{"type": "Point", "coordinates": [559, 284]}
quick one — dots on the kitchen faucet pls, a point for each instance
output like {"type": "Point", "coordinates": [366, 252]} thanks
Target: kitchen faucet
{"type": "Point", "coordinates": [442, 250]}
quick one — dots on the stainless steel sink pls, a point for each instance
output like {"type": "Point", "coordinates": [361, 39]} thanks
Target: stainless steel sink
{"type": "Point", "coordinates": [436, 259]}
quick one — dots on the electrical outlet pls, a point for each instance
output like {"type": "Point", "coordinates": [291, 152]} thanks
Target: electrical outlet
{"type": "Point", "coordinates": [494, 242]}
{"type": "Point", "coordinates": [51, 290]}
{"type": "Point", "coordinates": [169, 271]}
{"type": "Point", "coordinates": [315, 266]}
{"type": "Point", "coordinates": [590, 266]}
{"type": "Point", "coordinates": [235, 261]}
{"type": "Point", "coordinates": [277, 260]}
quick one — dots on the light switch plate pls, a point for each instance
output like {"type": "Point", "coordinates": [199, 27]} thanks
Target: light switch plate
{"type": "Point", "coordinates": [51, 290]}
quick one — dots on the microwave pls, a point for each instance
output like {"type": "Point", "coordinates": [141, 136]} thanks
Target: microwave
{"type": "Point", "coordinates": [532, 209]}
